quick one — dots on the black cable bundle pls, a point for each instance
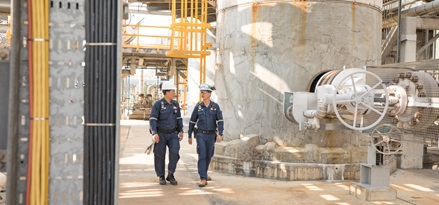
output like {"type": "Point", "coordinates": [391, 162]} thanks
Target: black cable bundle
{"type": "Point", "coordinates": [100, 101]}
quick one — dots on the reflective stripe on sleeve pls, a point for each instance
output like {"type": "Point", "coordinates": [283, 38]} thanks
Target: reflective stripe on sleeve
{"type": "Point", "coordinates": [192, 122]}
{"type": "Point", "coordinates": [153, 118]}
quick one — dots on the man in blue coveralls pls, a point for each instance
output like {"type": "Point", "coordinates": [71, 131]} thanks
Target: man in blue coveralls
{"type": "Point", "coordinates": [167, 130]}
{"type": "Point", "coordinates": [208, 117]}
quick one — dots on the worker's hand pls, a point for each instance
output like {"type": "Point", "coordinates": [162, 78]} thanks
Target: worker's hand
{"type": "Point", "coordinates": [180, 135]}
{"type": "Point", "coordinates": [156, 138]}
{"type": "Point", "coordinates": [189, 140]}
{"type": "Point", "coordinates": [219, 138]}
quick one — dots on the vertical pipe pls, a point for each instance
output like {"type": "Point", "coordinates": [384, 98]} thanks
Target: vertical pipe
{"type": "Point", "coordinates": [398, 42]}
{"type": "Point", "coordinates": [129, 94]}
{"type": "Point", "coordinates": [117, 96]}
{"type": "Point", "coordinates": [31, 101]}
{"type": "Point", "coordinates": [427, 50]}
{"type": "Point", "coordinates": [13, 138]}
{"type": "Point", "coordinates": [156, 97]}
{"type": "Point", "coordinates": [86, 163]}
{"type": "Point", "coordinates": [435, 47]}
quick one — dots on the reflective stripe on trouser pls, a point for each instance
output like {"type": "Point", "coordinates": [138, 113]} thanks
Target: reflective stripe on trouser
{"type": "Point", "coordinates": [173, 143]}
{"type": "Point", "coordinates": [205, 149]}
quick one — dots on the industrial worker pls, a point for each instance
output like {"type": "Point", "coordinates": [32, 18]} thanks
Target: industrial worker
{"type": "Point", "coordinates": [167, 130]}
{"type": "Point", "coordinates": [208, 117]}
{"type": "Point", "coordinates": [141, 103]}
{"type": "Point", "coordinates": [149, 101]}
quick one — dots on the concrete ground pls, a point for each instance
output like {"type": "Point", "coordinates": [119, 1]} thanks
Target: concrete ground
{"type": "Point", "coordinates": [139, 185]}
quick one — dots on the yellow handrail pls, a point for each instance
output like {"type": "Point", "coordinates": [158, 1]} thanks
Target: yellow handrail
{"type": "Point", "coordinates": [141, 38]}
{"type": "Point", "coordinates": [189, 33]}
{"type": "Point", "coordinates": [144, 26]}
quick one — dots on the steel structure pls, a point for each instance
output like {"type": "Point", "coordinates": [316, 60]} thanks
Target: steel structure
{"type": "Point", "coordinates": [186, 38]}
{"type": "Point", "coordinates": [47, 167]}
{"type": "Point", "coordinates": [394, 14]}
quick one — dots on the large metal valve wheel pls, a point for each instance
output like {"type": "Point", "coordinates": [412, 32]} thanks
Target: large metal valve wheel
{"type": "Point", "coordinates": [386, 139]}
{"type": "Point", "coordinates": [354, 95]}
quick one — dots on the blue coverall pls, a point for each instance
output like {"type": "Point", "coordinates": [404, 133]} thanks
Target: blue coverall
{"type": "Point", "coordinates": [165, 120]}
{"type": "Point", "coordinates": [207, 120]}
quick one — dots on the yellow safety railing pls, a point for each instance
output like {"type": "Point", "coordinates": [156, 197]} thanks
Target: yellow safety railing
{"type": "Point", "coordinates": [143, 41]}
{"type": "Point", "coordinates": [188, 37]}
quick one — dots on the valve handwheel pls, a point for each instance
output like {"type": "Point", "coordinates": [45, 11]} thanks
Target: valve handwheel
{"type": "Point", "coordinates": [361, 97]}
{"type": "Point", "coordinates": [387, 137]}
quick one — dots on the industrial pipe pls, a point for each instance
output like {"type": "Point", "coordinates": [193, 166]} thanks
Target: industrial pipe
{"type": "Point", "coordinates": [416, 11]}
{"type": "Point", "coordinates": [320, 112]}
{"type": "Point", "coordinates": [13, 138]}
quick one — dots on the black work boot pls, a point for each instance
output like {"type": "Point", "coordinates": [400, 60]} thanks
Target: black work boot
{"type": "Point", "coordinates": [162, 180]}
{"type": "Point", "coordinates": [171, 179]}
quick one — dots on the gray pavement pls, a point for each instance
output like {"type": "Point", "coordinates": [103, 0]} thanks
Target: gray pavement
{"type": "Point", "coordinates": [139, 185]}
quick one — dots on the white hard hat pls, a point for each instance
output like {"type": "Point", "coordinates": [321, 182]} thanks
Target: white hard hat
{"type": "Point", "coordinates": [168, 86]}
{"type": "Point", "coordinates": [207, 87]}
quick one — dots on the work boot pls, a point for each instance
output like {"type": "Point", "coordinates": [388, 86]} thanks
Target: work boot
{"type": "Point", "coordinates": [171, 179]}
{"type": "Point", "coordinates": [209, 178]}
{"type": "Point", "coordinates": [203, 183]}
{"type": "Point", "coordinates": [162, 180]}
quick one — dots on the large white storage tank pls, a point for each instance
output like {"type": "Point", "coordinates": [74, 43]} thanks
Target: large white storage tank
{"type": "Point", "coordinates": [269, 47]}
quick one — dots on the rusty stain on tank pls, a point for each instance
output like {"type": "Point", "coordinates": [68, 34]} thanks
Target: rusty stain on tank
{"type": "Point", "coordinates": [303, 23]}
{"type": "Point", "coordinates": [255, 11]}
{"type": "Point", "coordinates": [353, 36]}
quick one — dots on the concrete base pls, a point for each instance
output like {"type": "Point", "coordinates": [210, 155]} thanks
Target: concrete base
{"type": "Point", "coordinates": [284, 170]}
{"type": "Point", "coordinates": [365, 193]}
{"type": "Point", "coordinates": [248, 157]}
{"type": "Point", "coordinates": [142, 114]}
{"type": "Point", "coordinates": [412, 152]}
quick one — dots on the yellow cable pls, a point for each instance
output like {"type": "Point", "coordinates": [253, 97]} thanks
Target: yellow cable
{"type": "Point", "coordinates": [38, 95]}
{"type": "Point", "coordinates": [41, 130]}
{"type": "Point", "coordinates": [45, 106]}
{"type": "Point", "coordinates": [35, 104]}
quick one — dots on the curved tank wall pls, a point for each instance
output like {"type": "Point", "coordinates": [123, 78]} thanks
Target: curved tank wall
{"type": "Point", "coordinates": [269, 47]}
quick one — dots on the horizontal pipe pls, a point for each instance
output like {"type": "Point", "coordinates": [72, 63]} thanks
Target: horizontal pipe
{"type": "Point", "coordinates": [416, 11]}
{"type": "Point", "coordinates": [5, 7]}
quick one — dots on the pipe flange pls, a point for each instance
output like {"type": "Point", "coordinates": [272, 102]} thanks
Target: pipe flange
{"type": "Point", "coordinates": [414, 87]}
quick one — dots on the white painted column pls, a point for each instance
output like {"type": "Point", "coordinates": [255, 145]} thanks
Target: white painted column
{"type": "Point", "coordinates": [408, 39]}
